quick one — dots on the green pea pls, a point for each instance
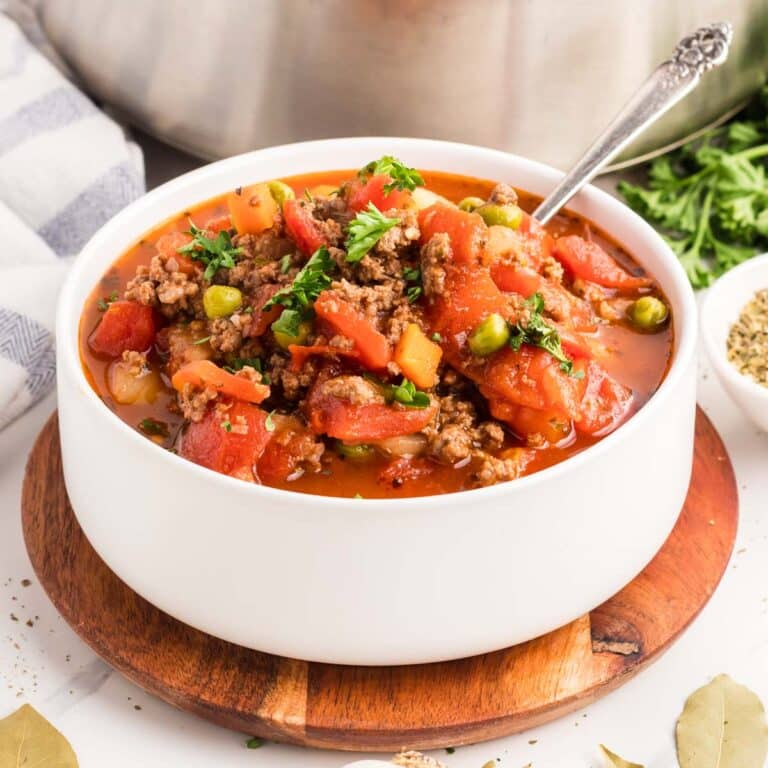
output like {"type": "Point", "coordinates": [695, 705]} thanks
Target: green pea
{"type": "Point", "coordinates": [280, 191]}
{"type": "Point", "coordinates": [471, 203]}
{"type": "Point", "coordinates": [359, 452]}
{"type": "Point", "coordinates": [221, 301]}
{"type": "Point", "coordinates": [508, 215]}
{"type": "Point", "coordinates": [648, 313]}
{"type": "Point", "coordinates": [285, 339]}
{"type": "Point", "coordinates": [491, 335]}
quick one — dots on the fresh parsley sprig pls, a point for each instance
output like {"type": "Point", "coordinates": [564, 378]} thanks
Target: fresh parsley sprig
{"type": "Point", "coordinates": [406, 394]}
{"type": "Point", "coordinates": [297, 298]}
{"type": "Point", "coordinates": [710, 198]}
{"type": "Point", "coordinates": [402, 176]}
{"type": "Point", "coordinates": [365, 230]}
{"type": "Point", "coordinates": [538, 333]}
{"type": "Point", "coordinates": [413, 275]}
{"type": "Point", "coordinates": [216, 253]}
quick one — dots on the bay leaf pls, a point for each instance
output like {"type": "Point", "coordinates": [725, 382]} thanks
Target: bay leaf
{"type": "Point", "coordinates": [28, 740]}
{"type": "Point", "coordinates": [615, 761]}
{"type": "Point", "coordinates": [722, 725]}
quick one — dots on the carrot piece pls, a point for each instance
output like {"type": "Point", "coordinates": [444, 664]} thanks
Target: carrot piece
{"type": "Point", "coordinates": [418, 357]}
{"type": "Point", "coordinates": [252, 209]}
{"type": "Point", "coordinates": [204, 373]}
{"type": "Point", "coordinates": [372, 347]}
{"type": "Point", "coordinates": [589, 261]}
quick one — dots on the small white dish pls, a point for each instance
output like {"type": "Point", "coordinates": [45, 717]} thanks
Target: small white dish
{"type": "Point", "coordinates": [721, 308]}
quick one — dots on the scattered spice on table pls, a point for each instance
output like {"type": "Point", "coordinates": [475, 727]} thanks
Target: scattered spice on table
{"type": "Point", "coordinates": [748, 339]}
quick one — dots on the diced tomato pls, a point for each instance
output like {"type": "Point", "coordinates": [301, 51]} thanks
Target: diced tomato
{"type": "Point", "coordinates": [589, 261]}
{"type": "Point", "coordinates": [332, 416]}
{"type": "Point", "coordinates": [302, 227]}
{"type": "Point", "coordinates": [299, 354]}
{"type": "Point", "coordinates": [470, 295]}
{"type": "Point", "coordinates": [531, 377]}
{"type": "Point", "coordinates": [126, 325]}
{"type": "Point", "coordinates": [204, 373]}
{"type": "Point", "coordinates": [263, 318]}
{"type": "Point", "coordinates": [467, 232]}
{"type": "Point", "coordinates": [285, 451]}
{"type": "Point", "coordinates": [230, 443]}
{"type": "Point", "coordinates": [528, 246]}
{"type": "Point", "coordinates": [371, 346]}
{"type": "Point", "coordinates": [400, 470]}
{"type": "Point", "coordinates": [372, 191]}
{"type": "Point", "coordinates": [605, 403]}
{"type": "Point", "coordinates": [219, 223]}
{"type": "Point", "coordinates": [511, 277]}
{"type": "Point", "coordinates": [252, 209]}
{"type": "Point", "coordinates": [525, 422]}
{"type": "Point", "coordinates": [574, 344]}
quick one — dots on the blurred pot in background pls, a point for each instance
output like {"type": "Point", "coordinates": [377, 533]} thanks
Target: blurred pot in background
{"type": "Point", "coordinates": [536, 77]}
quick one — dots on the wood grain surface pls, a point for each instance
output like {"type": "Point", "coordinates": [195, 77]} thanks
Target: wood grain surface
{"type": "Point", "coordinates": [383, 708]}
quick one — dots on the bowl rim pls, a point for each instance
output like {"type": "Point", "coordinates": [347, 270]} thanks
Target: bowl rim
{"type": "Point", "coordinates": [717, 353]}
{"type": "Point", "coordinates": [68, 356]}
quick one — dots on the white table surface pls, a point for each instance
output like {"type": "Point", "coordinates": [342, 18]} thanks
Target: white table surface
{"type": "Point", "coordinates": [111, 722]}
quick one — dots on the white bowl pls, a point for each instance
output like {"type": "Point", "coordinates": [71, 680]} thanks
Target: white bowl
{"type": "Point", "coordinates": [719, 311]}
{"type": "Point", "coordinates": [376, 581]}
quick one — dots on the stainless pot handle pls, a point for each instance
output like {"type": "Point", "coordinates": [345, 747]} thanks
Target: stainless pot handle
{"type": "Point", "coordinates": [671, 81]}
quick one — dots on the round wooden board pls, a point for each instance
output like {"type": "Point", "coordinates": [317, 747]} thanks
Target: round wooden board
{"type": "Point", "coordinates": [384, 708]}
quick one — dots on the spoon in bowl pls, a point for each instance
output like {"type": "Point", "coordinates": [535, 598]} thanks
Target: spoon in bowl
{"type": "Point", "coordinates": [672, 80]}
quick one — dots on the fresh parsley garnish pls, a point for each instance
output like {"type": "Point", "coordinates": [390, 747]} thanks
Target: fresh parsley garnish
{"type": "Point", "coordinates": [413, 275]}
{"type": "Point", "coordinates": [402, 176]}
{"type": "Point", "coordinates": [216, 253]}
{"type": "Point", "coordinates": [710, 198]}
{"type": "Point", "coordinates": [538, 333]}
{"type": "Point", "coordinates": [438, 337]}
{"type": "Point", "coordinates": [365, 230]}
{"type": "Point", "coordinates": [226, 425]}
{"type": "Point", "coordinates": [240, 362]}
{"type": "Point", "coordinates": [153, 428]}
{"type": "Point", "coordinates": [297, 298]}
{"type": "Point", "coordinates": [103, 304]}
{"type": "Point", "coordinates": [406, 394]}
{"type": "Point", "coordinates": [269, 424]}
{"type": "Point", "coordinates": [254, 743]}
{"type": "Point", "coordinates": [285, 263]}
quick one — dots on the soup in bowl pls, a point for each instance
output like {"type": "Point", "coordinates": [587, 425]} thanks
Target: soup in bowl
{"type": "Point", "coordinates": [362, 397]}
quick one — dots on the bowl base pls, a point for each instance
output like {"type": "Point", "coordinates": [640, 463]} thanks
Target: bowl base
{"type": "Point", "coordinates": [384, 708]}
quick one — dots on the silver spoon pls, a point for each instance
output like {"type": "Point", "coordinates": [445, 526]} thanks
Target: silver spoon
{"type": "Point", "coordinates": [670, 82]}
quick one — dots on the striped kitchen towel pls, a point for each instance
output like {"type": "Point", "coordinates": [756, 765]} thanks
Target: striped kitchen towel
{"type": "Point", "coordinates": [65, 169]}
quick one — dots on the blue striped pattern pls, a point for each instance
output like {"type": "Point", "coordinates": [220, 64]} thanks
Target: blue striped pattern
{"type": "Point", "coordinates": [71, 228]}
{"type": "Point", "coordinates": [28, 344]}
{"type": "Point", "coordinates": [54, 109]}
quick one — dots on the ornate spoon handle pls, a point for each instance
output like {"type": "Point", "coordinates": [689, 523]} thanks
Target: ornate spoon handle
{"type": "Point", "coordinates": [671, 81]}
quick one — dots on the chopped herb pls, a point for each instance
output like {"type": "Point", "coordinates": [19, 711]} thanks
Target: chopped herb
{"type": "Point", "coordinates": [402, 176]}
{"type": "Point", "coordinates": [269, 424]}
{"type": "Point", "coordinates": [248, 311]}
{"type": "Point", "coordinates": [297, 298]}
{"type": "Point", "coordinates": [240, 362]}
{"type": "Point", "coordinates": [538, 333]}
{"type": "Point", "coordinates": [202, 341]}
{"type": "Point", "coordinates": [413, 275]}
{"type": "Point", "coordinates": [153, 428]}
{"type": "Point", "coordinates": [413, 293]}
{"type": "Point", "coordinates": [216, 253]}
{"type": "Point", "coordinates": [285, 263]}
{"type": "Point", "coordinates": [406, 394]}
{"type": "Point", "coordinates": [226, 425]}
{"type": "Point", "coordinates": [450, 750]}
{"type": "Point", "coordinates": [710, 198]}
{"type": "Point", "coordinates": [103, 304]}
{"type": "Point", "coordinates": [437, 337]}
{"type": "Point", "coordinates": [254, 743]}
{"type": "Point", "coordinates": [307, 195]}
{"type": "Point", "coordinates": [365, 230]}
